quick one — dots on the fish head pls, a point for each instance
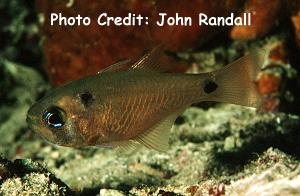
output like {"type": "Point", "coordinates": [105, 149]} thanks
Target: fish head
{"type": "Point", "coordinates": [57, 118]}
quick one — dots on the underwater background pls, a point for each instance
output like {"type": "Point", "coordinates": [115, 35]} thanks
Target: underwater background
{"type": "Point", "coordinates": [215, 149]}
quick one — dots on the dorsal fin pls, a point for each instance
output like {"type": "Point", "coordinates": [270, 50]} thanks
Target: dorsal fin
{"type": "Point", "coordinates": [149, 61]}
{"type": "Point", "coordinates": [121, 65]}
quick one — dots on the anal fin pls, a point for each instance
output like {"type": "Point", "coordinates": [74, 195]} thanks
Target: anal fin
{"type": "Point", "coordinates": [157, 138]}
{"type": "Point", "coordinates": [124, 146]}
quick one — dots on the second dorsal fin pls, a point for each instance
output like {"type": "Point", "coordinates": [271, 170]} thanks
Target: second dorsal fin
{"type": "Point", "coordinates": [121, 65]}
{"type": "Point", "coordinates": [150, 61]}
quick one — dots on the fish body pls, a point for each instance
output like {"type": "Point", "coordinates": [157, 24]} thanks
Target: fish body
{"type": "Point", "coordinates": [125, 107]}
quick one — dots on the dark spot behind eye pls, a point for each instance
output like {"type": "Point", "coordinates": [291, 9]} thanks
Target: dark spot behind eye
{"type": "Point", "coordinates": [209, 86]}
{"type": "Point", "coordinates": [86, 98]}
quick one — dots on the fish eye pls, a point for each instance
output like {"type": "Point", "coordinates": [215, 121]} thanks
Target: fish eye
{"type": "Point", "coordinates": [54, 117]}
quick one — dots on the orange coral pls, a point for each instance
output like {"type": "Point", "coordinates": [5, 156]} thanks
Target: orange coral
{"type": "Point", "coordinates": [268, 83]}
{"type": "Point", "coordinates": [296, 22]}
{"type": "Point", "coordinates": [77, 51]}
{"type": "Point", "coordinates": [264, 13]}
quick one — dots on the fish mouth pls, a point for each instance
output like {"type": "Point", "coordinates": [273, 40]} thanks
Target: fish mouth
{"type": "Point", "coordinates": [31, 121]}
{"type": "Point", "coordinates": [30, 111]}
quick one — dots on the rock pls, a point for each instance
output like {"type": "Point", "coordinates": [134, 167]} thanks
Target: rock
{"type": "Point", "coordinates": [19, 33]}
{"type": "Point", "coordinates": [282, 177]}
{"type": "Point", "coordinates": [20, 87]}
{"type": "Point", "coordinates": [25, 177]}
{"type": "Point", "coordinates": [110, 192]}
{"type": "Point", "coordinates": [209, 146]}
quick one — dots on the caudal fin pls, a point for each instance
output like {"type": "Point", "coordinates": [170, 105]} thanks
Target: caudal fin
{"type": "Point", "coordinates": [237, 81]}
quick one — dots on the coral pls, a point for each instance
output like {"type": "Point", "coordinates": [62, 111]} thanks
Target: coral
{"type": "Point", "coordinates": [296, 23]}
{"type": "Point", "coordinates": [84, 50]}
{"type": "Point", "coordinates": [271, 80]}
{"type": "Point", "coordinates": [294, 6]}
{"type": "Point", "coordinates": [264, 14]}
{"type": "Point", "coordinates": [77, 51]}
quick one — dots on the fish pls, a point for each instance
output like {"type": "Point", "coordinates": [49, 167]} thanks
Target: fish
{"type": "Point", "coordinates": [129, 105]}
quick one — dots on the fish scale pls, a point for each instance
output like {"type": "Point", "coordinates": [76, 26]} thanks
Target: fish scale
{"type": "Point", "coordinates": [164, 99]}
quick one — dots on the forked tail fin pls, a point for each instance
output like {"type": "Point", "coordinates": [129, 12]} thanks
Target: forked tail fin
{"type": "Point", "coordinates": [236, 82]}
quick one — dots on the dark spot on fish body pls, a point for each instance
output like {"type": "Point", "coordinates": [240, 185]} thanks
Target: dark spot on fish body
{"type": "Point", "coordinates": [86, 98]}
{"type": "Point", "coordinates": [209, 86]}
